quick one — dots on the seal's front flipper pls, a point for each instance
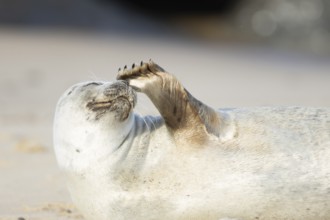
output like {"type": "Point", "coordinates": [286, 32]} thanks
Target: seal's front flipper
{"type": "Point", "coordinates": [141, 77]}
{"type": "Point", "coordinates": [183, 114]}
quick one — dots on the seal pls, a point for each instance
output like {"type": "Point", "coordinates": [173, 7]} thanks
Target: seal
{"type": "Point", "coordinates": [192, 161]}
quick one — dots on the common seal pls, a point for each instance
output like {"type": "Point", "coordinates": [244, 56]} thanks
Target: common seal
{"type": "Point", "coordinates": [192, 162]}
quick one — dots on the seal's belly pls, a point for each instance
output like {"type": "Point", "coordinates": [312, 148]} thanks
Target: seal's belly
{"type": "Point", "coordinates": [276, 166]}
{"type": "Point", "coordinates": [218, 184]}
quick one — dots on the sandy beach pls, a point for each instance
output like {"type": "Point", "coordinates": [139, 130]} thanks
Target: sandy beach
{"type": "Point", "coordinates": [36, 66]}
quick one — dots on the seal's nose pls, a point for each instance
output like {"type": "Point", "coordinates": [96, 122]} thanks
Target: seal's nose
{"type": "Point", "coordinates": [116, 88]}
{"type": "Point", "coordinates": [120, 88]}
{"type": "Point", "coordinates": [123, 81]}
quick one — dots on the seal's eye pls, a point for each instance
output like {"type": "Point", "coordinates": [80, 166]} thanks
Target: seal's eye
{"type": "Point", "coordinates": [73, 88]}
{"type": "Point", "coordinates": [92, 83]}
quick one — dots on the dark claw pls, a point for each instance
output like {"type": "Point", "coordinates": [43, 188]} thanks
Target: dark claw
{"type": "Point", "coordinates": [133, 65]}
{"type": "Point", "coordinates": [119, 69]}
{"type": "Point", "coordinates": [125, 67]}
{"type": "Point", "coordinates": [141, 64]}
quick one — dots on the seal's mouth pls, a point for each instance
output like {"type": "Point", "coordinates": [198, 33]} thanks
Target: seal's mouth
{"type": "Point", "coordinates": [118, 98]}
{"type": "Point", "coordinates": [100, 105]}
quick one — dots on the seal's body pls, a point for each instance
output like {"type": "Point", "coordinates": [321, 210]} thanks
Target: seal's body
{"type": "Point", "coordinates": [192, 162]}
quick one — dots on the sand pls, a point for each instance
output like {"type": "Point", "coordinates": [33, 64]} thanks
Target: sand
{"type": "Point", "coordinates": [37, 66]}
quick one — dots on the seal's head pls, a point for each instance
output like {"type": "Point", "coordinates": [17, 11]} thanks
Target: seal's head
{"type": "Point", "coordinates": [89, 117]}
{"type": "Point", "coordinates": [100, 100]}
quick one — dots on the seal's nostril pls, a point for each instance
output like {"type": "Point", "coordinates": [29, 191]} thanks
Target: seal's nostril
{"type": "Point", "coordinates": [125, 82]}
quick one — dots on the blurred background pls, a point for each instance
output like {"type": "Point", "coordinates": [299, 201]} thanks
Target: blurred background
{"type": "Point", "coordinates": [228, 53]}
{"type": "Point", "coordinates": [291, 24]}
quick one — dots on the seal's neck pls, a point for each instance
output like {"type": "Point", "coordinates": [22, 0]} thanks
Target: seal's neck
{"type": "Point", "coordinates": [78, 147]}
